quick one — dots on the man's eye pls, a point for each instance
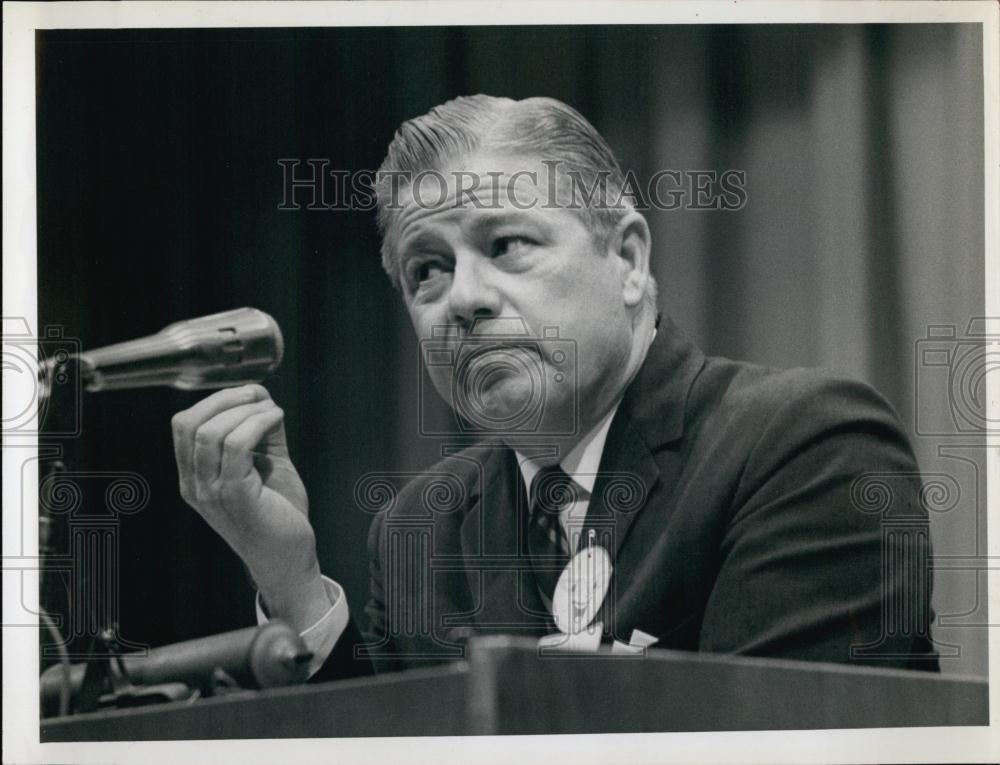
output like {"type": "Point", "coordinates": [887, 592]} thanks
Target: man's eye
{"type": "Point", "coordinates": [507, 245]}
{"type": "Point", "coordinates": [427, 271]}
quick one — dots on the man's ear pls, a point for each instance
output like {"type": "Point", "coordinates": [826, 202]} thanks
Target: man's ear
{"type": "Point", "coordinates": [630, 245]}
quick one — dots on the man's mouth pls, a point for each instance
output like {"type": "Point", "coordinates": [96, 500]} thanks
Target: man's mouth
{"type": "Point", "coordinates": [501, 359]}
{"type": "Point", "coordinates": [499, 386]}
{"type": "Point", "coordinates": [495, 363]}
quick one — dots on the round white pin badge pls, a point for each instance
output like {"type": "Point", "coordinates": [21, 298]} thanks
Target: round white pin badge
{"type": "Point", "coordinates": [581, 589]}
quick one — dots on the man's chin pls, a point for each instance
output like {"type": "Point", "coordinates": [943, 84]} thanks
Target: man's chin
{"type": "Point", "coordinates": [505, 405]}
{"type": "Point", "coordinates": [505, 400]}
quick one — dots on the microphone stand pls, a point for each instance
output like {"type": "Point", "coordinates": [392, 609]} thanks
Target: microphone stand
{"type": "Point", "coordinates": [102, 648]}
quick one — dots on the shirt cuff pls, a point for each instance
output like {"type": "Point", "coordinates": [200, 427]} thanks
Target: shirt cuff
{"type": "Point", "coordinates": [322, 636]}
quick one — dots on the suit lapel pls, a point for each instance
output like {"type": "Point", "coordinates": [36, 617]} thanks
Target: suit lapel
{"type": "Point", "coordinates": [494, 551]}
{"type": "Point", "coordinates": [651, 415]}
{"type": "Point", "coordinates": [625, 480]}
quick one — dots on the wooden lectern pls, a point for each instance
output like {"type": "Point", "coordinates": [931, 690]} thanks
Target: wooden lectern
{"type": "Point", "coordinates": [507, 685]}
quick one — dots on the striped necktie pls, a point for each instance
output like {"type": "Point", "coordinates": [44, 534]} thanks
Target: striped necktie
{"type": "Point", "coordinates": [551, 492]}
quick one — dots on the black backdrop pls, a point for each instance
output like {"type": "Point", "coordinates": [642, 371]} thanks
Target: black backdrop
{"type": "Point", "coordinates": [159, 188]}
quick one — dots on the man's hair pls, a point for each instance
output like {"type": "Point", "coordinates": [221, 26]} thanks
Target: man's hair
{"type": "Point", "coordinates": [537, 127]}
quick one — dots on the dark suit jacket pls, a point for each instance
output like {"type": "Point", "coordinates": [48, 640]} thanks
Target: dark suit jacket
{"type": "Point", "coordinates": [746, 511]}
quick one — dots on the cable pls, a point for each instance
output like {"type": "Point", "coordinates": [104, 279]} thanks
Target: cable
{"type": "Point", "coordinates": [45, 549]}
{"type": "Point", "coordinates": [66, 688]}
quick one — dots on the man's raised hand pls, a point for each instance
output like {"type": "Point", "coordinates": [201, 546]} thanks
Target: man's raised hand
{"type": "Point", "coordinates": [234, 469]}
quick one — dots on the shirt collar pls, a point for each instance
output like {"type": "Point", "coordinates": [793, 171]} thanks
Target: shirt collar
{"type": "Point", "coordinates": [581, 463]}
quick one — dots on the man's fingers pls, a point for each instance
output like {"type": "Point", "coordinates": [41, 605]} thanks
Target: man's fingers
{"type": "Point", "coordinates": [210, 438]}
{"type": "Point", "coordinates": [237, 453]}
{"type": "Point", "coordinates": [185, 424]}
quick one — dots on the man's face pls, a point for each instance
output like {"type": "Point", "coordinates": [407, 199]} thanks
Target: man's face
{"type": "Point", "coordinates": [491, 252]}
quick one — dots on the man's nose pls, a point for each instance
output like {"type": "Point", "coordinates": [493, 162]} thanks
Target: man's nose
{"type": "Point", "coordinates": [473, 294]}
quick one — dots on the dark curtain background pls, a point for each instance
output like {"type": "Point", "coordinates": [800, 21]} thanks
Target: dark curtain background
{"type": "Point", "coordinates": [158, 195]}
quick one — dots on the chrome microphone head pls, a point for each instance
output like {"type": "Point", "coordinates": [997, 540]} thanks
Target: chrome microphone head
{"type": "Point", "coordinates": [218, 351]}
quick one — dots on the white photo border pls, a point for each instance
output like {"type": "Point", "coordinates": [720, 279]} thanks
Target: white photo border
{"type": "Point", "coordinates": [20, 654]}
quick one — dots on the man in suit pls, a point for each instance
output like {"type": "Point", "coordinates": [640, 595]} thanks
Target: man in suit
{"type": "Point", "coordinates": [740, 509]}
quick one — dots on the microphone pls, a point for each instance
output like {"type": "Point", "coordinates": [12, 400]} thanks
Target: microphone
{"type": "Point", "coordinates": [217, 351]}
{"type": "Point", "coordinates": [269, 656]}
